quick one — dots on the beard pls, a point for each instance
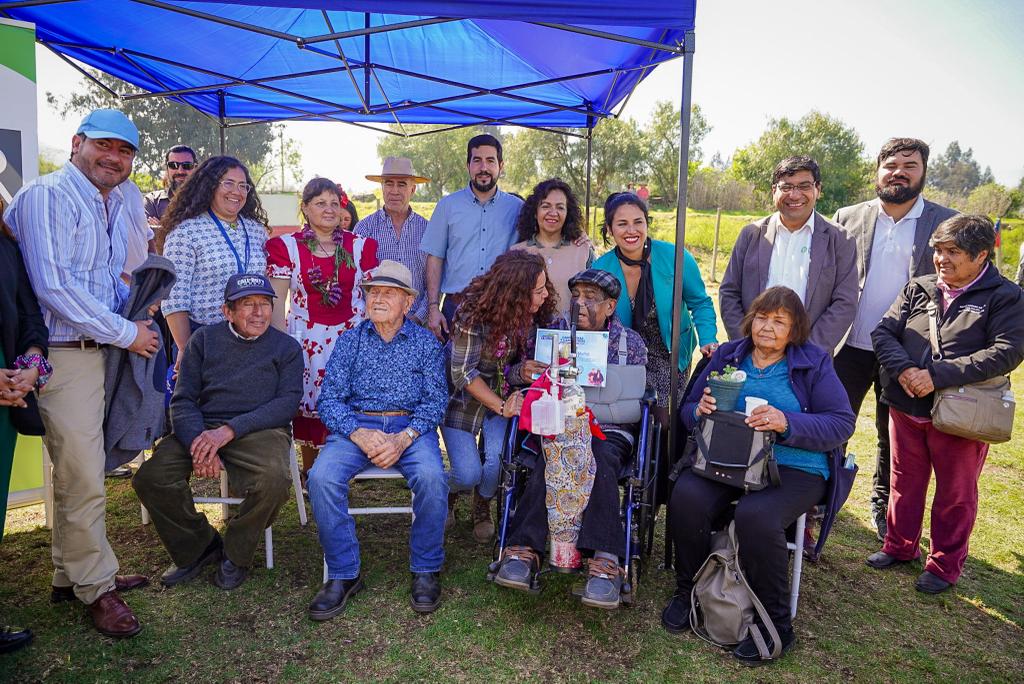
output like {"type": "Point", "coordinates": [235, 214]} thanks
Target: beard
{"type": "Point", "coordinates": [484, 187]}
{"type": "Point", "coordinates": [898, 194]}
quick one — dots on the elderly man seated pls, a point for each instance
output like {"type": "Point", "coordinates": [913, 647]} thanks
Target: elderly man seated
{"type": "Point", "coordinates": [239, 387]}
{"type": "Point", "coordinates": [383, 397]}
{"type": "Point", "coordinates": [617, 409]}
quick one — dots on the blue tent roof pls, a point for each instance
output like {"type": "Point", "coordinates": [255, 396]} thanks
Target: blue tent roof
{"type": "Point", "coordinates": [460, 62]}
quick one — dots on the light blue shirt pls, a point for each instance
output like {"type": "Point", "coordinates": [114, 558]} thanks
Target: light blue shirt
{"type": "Point", "coordinates": [403, 248]}
{"type": "Point", "coordinates": [74, 244]}
{"type": "Point", "coordinates": [469, 235]}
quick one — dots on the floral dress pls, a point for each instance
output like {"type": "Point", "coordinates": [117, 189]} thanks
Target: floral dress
{"type": "Point", "coordinates": [325, 300]}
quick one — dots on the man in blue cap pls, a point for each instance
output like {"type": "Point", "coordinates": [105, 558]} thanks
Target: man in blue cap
{"type": "Point", "coordinates": [72, 228]}
{"type": "Point", "coordinates": [239, 388]}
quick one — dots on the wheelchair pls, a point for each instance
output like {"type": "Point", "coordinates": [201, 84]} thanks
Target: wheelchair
{"type": "Point", "coordinates": [638, 504]}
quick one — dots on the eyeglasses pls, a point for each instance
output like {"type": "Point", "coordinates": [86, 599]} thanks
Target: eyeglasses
{"type": "Point", "coordinates": [231, 186]}
{"type": "Point", "coordinates": [174, 166]}
{"type": "Point", "coordinates": [806, 186]}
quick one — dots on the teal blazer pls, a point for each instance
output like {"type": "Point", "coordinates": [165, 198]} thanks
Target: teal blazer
{"type": "Point", "coordinates": [698, 313]}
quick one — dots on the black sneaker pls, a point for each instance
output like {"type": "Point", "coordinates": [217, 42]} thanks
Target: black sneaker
{"type": "Point", "coordinates": [175, 575]}
{"type": "Point", "coordinates": [14, 638]}
{"type": "Point", "coordinates": [746, 651]}
{"type": "Point", "coordinates": [675, 617]}
{"type": "Point", "coordinates": [878, 520]}
{"type": "Point", "coordinates": [332, 598]}
{"type": "Point", "coordinates": [426, 591]}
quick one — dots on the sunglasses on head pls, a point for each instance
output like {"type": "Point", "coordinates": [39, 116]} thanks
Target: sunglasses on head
{"type": "Point", "coordinates": [174, 166]}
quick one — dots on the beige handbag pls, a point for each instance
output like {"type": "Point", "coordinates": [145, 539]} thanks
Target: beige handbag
{"type": "Point", "coordinates": [723, 607]}
{"type": "Point", "coordinates": [981, 410]}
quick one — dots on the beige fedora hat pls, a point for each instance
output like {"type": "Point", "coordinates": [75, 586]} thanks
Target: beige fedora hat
{"type": "Point", "coordinates": [390, 274]}
{"type": "Point", "coordinates": [398, 167]}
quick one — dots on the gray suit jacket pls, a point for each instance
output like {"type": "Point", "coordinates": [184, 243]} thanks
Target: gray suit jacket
{"type": "Point", "coordinates": [831, 297]}
{"type": "Point", "coordinates": [859, 221]}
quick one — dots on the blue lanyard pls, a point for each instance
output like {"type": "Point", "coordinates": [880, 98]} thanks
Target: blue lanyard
{"type": "Point", "coordinates": [231, 245]}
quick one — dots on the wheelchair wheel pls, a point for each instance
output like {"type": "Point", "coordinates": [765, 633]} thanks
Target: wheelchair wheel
{"type": "Point", "coordinates": [648, 493]}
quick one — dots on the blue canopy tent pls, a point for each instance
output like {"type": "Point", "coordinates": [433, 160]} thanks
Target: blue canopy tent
{"type": "Point", "coordinates": [550, 64]}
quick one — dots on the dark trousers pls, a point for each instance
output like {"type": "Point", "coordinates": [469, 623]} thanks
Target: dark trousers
{"type": "Point", "coordinates": [257, 467]}
{"type": "Point", "coordinates": [858, 371]}
{"type": "Point", "coordinates": [601, 529]}
{"type": "Point", "coordinates": [697, 508]}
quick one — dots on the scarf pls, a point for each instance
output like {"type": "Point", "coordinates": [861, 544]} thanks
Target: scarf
{"type": "Point", "coordinates": [643, 300]}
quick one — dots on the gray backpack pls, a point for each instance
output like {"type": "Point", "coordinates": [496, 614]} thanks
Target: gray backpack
{"type": "Point", "coordinates": [723, 606]}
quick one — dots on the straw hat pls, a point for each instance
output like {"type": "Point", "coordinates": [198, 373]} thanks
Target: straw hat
{"type": "Point", "coordinates": [398, 167]}
{"type": "Point", "coordinates": [390, 274]}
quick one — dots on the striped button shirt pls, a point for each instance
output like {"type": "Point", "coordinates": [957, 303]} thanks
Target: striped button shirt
{"type": "Point", "coordinates": [404, 248]}
{"type": "Point", "coordinates": [74, 245]}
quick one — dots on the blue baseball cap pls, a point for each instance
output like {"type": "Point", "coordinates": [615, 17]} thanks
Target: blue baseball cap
{"type": "Point", "coordinates": [245, 284]}
{"type": "Point", "coordinates": [109, 123]}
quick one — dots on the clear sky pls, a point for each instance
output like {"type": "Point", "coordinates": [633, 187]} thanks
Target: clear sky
{"type": "Point", "coordinates": [940, 70]}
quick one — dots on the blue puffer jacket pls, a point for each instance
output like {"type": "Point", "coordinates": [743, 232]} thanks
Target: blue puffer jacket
{"type": "Point", "coordinates": [825, 422]}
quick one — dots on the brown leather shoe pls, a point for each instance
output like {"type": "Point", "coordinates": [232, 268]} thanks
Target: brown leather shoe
{"type": "Point", "coordinates": [112, 616]}
{"type": "Point", "coordinates": [122, 583]}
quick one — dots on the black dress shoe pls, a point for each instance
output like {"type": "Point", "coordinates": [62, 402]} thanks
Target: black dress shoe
{"type": "Point", "coordinates": [928, 583]}
{"type": "Point", "coordinates": [332, 598]}
{"type": "Point", "coordinates": [175, 575]}
{"type": "Point", "coordinates": [229, 575]}
{"type": "Point", "coordinates": [13, 638]}
{"type": "Point", "coordinates": [746, 651]}
{"type": "Point", "coordinates": [880, 560]}
{"type": "Point", "coordinates": [426, 591]}
{"type": "Point", "coordinates": [675, 617]}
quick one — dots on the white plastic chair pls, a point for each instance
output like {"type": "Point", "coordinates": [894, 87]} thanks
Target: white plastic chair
{"type": "Point", "coordinates": [375, 473]}
{"type": "Point", "coordinates": [225, 500]}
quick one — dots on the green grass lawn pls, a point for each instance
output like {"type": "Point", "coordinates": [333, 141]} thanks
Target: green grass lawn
{"type": "Point", "coordinates": [854, 623]}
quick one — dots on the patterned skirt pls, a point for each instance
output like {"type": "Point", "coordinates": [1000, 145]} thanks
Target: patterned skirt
{"type": "Point", "coordinates": [317, 342]}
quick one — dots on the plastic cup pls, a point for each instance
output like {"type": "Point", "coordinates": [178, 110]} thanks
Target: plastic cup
{"type": "Point", "coordinates": [754, 402]}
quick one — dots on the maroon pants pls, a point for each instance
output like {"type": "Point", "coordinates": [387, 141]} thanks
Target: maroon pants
{"type": "Point", "coordinates": [917, 449]}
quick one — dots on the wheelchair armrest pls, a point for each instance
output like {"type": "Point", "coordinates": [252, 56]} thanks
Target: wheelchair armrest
{"type": "Point", "coordinates": [650, 398]}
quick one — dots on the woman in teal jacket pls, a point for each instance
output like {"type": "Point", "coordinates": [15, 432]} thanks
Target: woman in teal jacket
{"type": "Point", "coordinates": [645, 269]}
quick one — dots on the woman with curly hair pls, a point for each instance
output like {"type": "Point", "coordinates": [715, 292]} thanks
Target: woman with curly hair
{"type": "Point", "coordinates": [499, 313]}
{"type": "Point", "coordinates": [551, 225]}
{"type": "Point", "coordinates": [317, 272]}
{"type": "Point", "coordinates": [215, 227]}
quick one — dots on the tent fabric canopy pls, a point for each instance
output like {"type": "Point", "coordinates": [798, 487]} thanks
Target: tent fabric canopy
{"type": "Point", "coordinates": [447, 63]}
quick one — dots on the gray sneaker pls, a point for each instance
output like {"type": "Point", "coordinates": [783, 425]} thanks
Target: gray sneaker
{"type": "Point", "coordinates": [518, 567]}
{"type": "Point", "coordinates": [604, 584]}
{"type": "Point", "coordinates": [878, 518]}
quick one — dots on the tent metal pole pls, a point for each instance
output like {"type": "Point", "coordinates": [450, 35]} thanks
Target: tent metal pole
{"type": "Point", "coordinates": [366, 60]}
{"type": "Point", "coordinates": [221, 109]}
{"type": "Point", "coordinates": [590, 166]}
{"type": "Point", "coordinates": [675, 49]}
{"type": "Point", "coordinates": [29, 3]}
{"type": "Point", "coordinates": [368, 31]}
{"type": "Point", "coordinates": [223, 20]}
{"type": "Point", "coordinates": [677, 282]}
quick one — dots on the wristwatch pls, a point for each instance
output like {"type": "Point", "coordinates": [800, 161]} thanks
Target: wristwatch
{"type": "Point", "coordinates": [411, 433]}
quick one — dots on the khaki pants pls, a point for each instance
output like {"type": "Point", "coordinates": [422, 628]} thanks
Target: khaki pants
{"type": "Point", "coordinates": [72, 406]}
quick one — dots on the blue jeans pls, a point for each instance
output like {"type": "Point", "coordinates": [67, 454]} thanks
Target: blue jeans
{"type": "Point", "coordinates": [340, 460]}
{"type": "Point", "coordinates": [464, 456]}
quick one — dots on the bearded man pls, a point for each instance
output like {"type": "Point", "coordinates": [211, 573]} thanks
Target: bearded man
{"type": "Point", "coordinates": [892, 235]}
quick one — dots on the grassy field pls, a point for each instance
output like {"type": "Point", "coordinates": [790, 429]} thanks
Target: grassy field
{"type": "Point", "coordinates": [854, 623]}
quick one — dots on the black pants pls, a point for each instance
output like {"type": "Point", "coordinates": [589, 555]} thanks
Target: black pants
{"type": "Point", "coordinates": [601, 529]}
{"type": "Point", "coordinates": [858, 371]}
{"type": "Point", "coordinates": [697, 508]}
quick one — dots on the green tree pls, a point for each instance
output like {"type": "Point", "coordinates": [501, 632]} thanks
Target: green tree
{"type": "Point", "coordinates": [991, 199]}
{"type": "Point", "coordinates": [957, 172]}
{"type": "Point", "coordinates": [845, 173]}
{"type": "Point", "coordinates": [163, 123]}
{"type": "Point", "coordinates": [441, 156]}
{"type": "Point", "coordinates": [661, 143]}
{"type": "Point", "coordinates": [46, 166]}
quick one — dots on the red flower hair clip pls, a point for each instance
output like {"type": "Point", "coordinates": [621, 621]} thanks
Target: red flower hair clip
{"type": "Point", "coordinates": [344, 197]}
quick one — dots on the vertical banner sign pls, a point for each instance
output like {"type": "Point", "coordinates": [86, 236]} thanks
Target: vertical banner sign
{"type": "Point", "coordinates": [19, 163]}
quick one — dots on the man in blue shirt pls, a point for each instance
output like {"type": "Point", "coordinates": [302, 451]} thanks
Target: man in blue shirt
{"type": "Point", "coordinates": [383, 397]}
{"type": "Point", "coordinates": [468, 230]}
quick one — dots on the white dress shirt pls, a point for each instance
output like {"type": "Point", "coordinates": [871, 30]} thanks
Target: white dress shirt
{"type": "Point", "coordinates": [892, 251]}
{"type": "Point", "coordinates": [791, 256]}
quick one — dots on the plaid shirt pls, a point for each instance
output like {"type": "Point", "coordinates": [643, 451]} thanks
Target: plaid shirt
{"type": "Point", "coordinates": [403, 248]}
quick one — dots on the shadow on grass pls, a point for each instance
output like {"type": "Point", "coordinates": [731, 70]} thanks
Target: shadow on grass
{"type": "Point", "coordinates": [853, 622]}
